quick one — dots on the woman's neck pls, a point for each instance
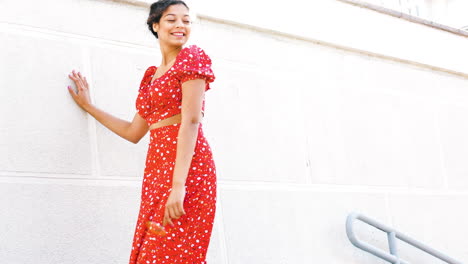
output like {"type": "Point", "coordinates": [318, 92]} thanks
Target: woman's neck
{"type": "Point", "coordinates": [169, 54]}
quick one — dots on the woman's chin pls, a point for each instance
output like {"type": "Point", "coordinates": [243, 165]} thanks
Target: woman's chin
{"type": "Point", "coordinates": [175, 42]}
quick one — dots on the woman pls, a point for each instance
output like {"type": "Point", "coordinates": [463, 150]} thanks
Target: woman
{"type": "Point", "coordinates": [179, 186]}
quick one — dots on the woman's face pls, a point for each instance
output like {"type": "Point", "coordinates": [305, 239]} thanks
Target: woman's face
{"type": "Point", "coordinates": [174, 26]}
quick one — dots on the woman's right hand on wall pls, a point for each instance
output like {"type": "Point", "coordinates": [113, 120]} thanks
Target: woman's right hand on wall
{"type": "Point", "coordinates": [81, 96]}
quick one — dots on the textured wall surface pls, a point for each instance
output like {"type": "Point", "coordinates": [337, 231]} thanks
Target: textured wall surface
{"type": "Point", "coordinates": [315, 113]}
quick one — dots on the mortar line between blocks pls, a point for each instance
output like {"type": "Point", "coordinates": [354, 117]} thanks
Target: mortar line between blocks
{"type": "Point", "coordinates": [441, 149]}
{"type": "Point", "coordinates": [308, 179]}
{"type": "Point", "coordinates": [56, 35]}
{"type": "Point", "coordinates": [92, 128]}
{"type": "Point", "coordinates": [222, 235]}
{"type": "Point", "coordinates": [89, 179]}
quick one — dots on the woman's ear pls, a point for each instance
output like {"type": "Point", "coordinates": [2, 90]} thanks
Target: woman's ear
{"type": "Point", "coordinates": [155, 27]}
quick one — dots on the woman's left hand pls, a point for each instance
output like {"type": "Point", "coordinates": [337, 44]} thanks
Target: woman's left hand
{"type": "Point", "coordinates": [174, 205]}
{"type": "Point", "coordinates": [81, 96]}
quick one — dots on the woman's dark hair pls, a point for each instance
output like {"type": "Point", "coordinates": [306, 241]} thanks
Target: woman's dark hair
{"type": "Point", "coordinates": [157, 9]}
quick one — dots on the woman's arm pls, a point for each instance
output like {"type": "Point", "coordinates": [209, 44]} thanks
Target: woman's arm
{"type": "Point", "coordinates": [131, 131]}
{"type": "Point", "coordinates": [193, 92]}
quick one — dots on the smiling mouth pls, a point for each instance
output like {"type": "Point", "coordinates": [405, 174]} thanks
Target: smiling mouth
{"type": "Point", "coordinates": [178, 34]}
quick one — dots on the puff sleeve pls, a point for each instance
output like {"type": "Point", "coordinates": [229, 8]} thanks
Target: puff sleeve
{"type": "Point", "coordinates": [142, 102]}
{"type": "Point", "coordinates": [147, 77]}
{"type": "Point", "coordinates": [195, 64]}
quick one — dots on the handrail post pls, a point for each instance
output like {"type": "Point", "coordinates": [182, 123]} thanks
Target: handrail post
{"type": "Point", "coordinates": [392, 245]}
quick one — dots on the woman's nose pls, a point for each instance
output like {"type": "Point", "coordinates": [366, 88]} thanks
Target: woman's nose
{"type": "Point", "coordinates": [179, 24]}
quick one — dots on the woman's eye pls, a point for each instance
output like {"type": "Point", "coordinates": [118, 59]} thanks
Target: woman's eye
{"type": "Point", "coordinates": [187, 22]}
{"type": "Point", "coordinates": [171, 20]}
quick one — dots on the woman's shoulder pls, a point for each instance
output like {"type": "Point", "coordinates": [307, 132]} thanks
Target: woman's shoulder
{"type": "Point", "coordinates": [194, 63]}
{"type": "Point", "coordinates": [194, 53]}
{"type": "Point", "coordinates": [192, 49]}
{"type": "Point", "coordinates": [150, 70]}
{"type": "Point", "coordinates": [147, 76]}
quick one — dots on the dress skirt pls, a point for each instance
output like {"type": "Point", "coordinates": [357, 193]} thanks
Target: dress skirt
{"type": "Point", "coordinates": [188, 240]}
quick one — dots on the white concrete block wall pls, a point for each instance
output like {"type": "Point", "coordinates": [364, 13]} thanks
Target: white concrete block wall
{"type": "Point", "coordinates": [342, 116]}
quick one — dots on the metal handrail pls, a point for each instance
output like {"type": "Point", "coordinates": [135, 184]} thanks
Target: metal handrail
{"type": "Point", "coordinates": [392, 235]}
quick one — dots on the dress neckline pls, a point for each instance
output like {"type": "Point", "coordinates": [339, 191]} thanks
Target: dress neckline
{"type": "Point", "coordinates": [152, 81]}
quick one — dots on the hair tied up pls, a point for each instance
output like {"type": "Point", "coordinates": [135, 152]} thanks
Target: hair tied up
{"type": "Point", "coordinates": [156, 11]}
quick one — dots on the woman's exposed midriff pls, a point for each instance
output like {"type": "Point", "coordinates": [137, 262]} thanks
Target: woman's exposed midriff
{"type": "Point", "coordinates": [175, 119]}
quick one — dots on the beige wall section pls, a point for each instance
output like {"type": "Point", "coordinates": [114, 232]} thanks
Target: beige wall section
{"type": "Point", "coordinates": [306, 127]}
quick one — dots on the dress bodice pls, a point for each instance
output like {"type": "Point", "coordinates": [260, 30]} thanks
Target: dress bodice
{"type": "Point", "coordinates": [162, 98]}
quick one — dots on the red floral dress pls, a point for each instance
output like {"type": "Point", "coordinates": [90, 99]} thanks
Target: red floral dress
{"type": "Point", "coordinates": [187, 241]}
